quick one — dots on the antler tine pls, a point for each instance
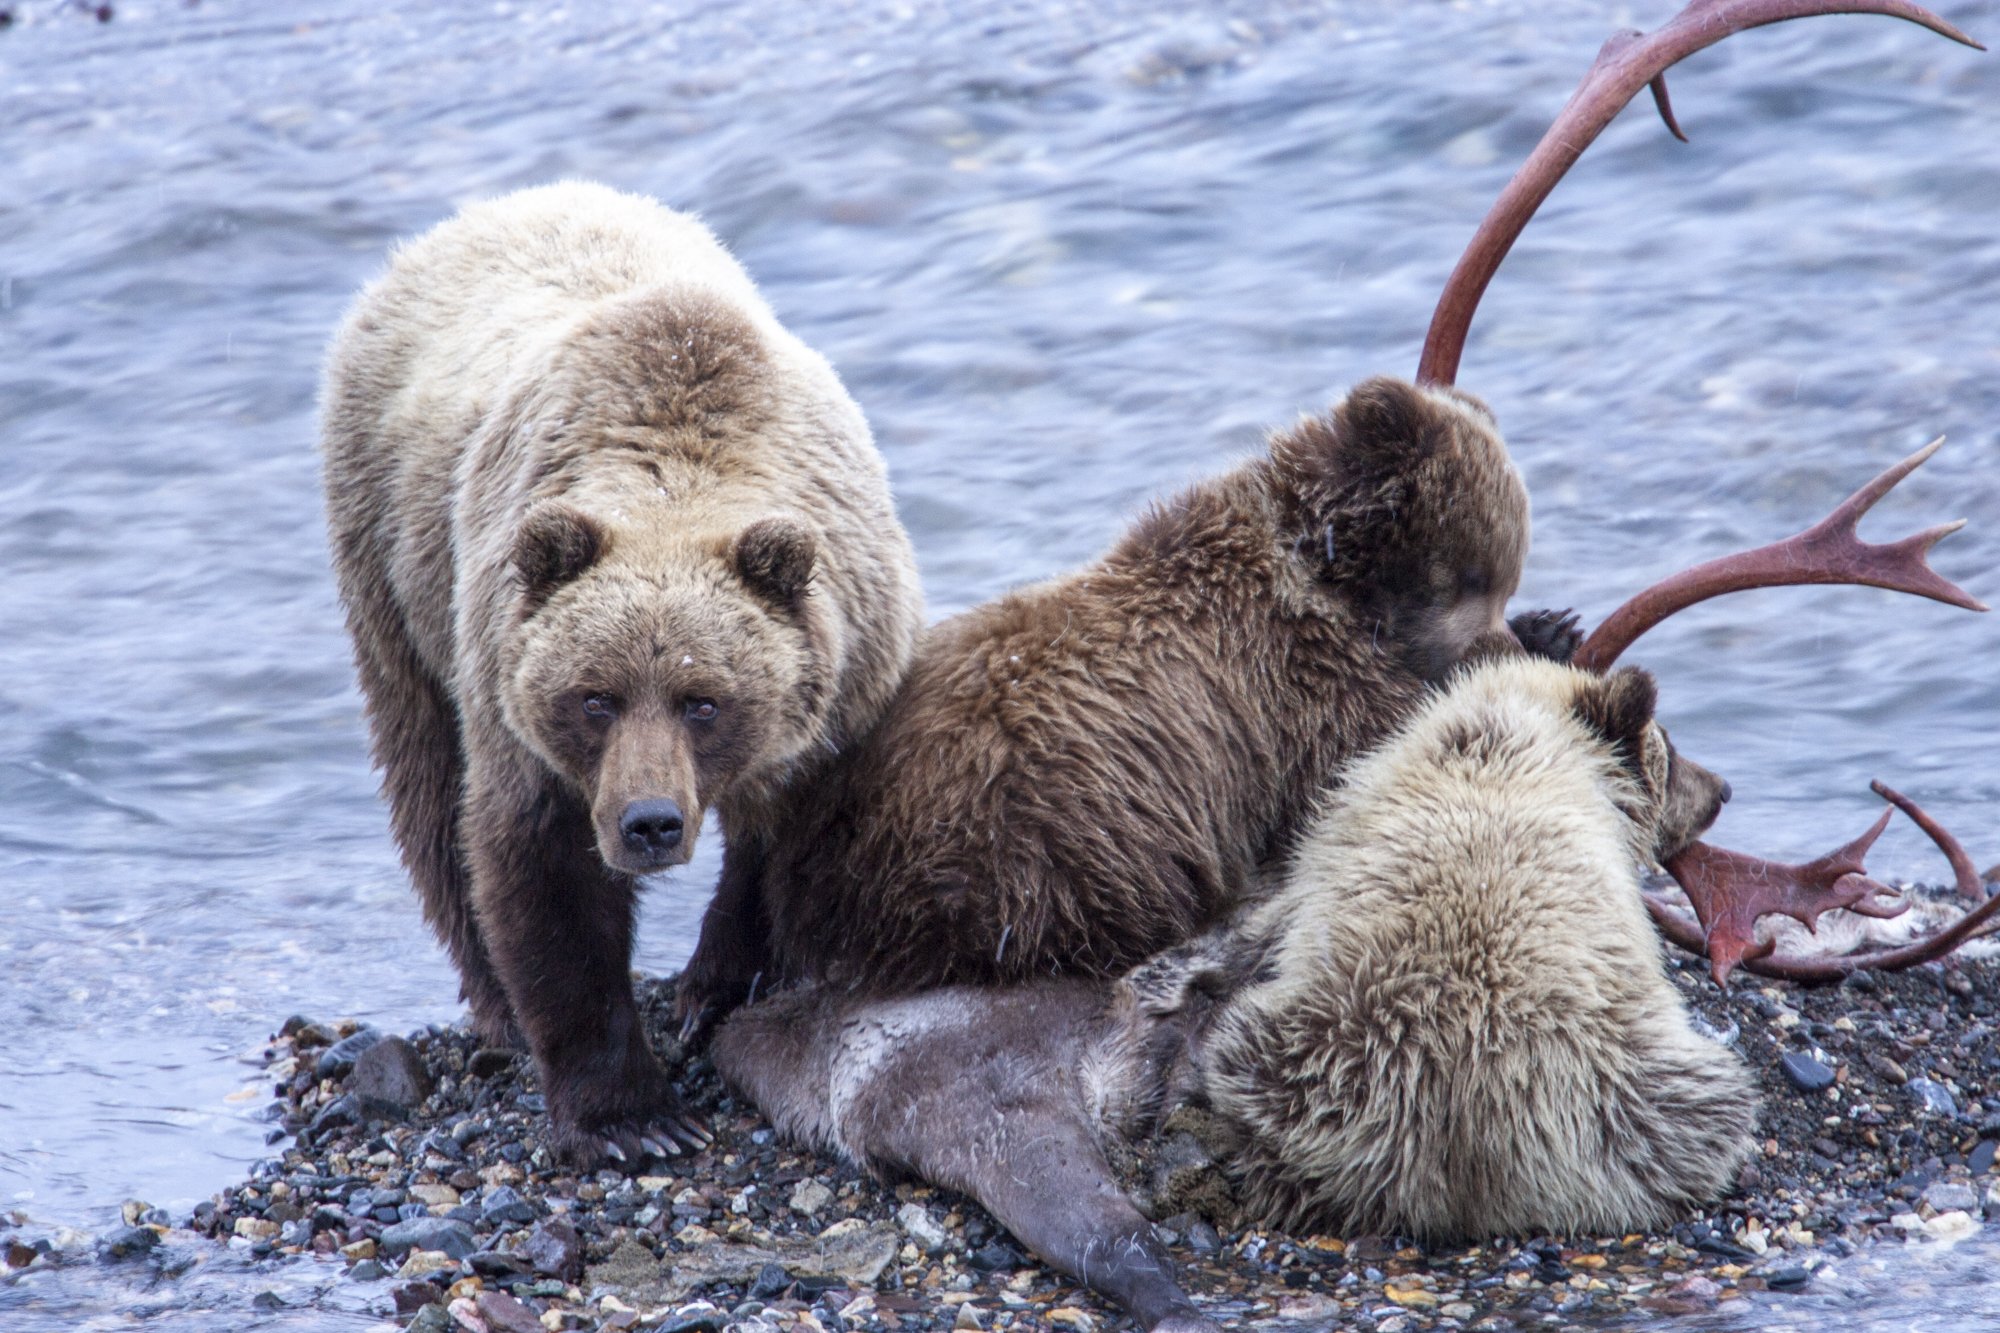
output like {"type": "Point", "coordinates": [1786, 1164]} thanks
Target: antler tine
{"type": "Point", "coordinates": [1979, 921]}
{"type": "Point", "coordinates": [1830, 551]}
{"type": "Point", "coordinates": [1627, 62]}
{"type": "Point", "coordinates": [1962, 870]}
{"type": "Point", "coordinates": [1731, 890]}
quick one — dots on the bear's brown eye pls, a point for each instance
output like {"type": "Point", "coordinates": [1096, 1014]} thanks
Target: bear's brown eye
{"type": "Point", "coordinates": [600, 707]}
{"type": "Point", "coordinates": [1474, 583]}
{"type": "Point", "coordinates": [699, 710]}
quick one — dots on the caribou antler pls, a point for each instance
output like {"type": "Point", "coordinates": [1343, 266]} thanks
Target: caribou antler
{"type": "Point", "coordinates": [1730, 891]}
{"type": "Point", "coordinates": [1830, 551]}
{"type": "Point", "coordinates": [1627, 62]}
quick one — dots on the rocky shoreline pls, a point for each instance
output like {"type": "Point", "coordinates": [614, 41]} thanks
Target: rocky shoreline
{"type": "Point", "coordinates": [414, 1163]}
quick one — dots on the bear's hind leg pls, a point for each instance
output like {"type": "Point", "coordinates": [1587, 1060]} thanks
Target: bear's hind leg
{"type": "Point", "coordinates": [559, 926]}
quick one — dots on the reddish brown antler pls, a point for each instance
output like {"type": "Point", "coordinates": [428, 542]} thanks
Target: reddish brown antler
{"type": "Point", "coordinates": [1627, 62]}
{"type": "Point", "coordinates": [1730, 891]}
{"type": "Point", "coordinates": [1830, 551]}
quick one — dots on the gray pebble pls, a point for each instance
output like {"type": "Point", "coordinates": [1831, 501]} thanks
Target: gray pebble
{"type": "Point", "coordinates": [336, 1060]}
{"type": "Point", "coordinates": [1945, 1196]}
{"type": "Point", "coordinates": [389, 1072]}
{"type": "Point", "coordinates": [1933, 1096]}
{"type": "Point", "coordinates": [1806, 1073]}
{"type": "Point", "coordinates": [505, 1204]}
{"type": "Point", "coordinates": [428, 1233]}
{"type": "Point", "coordinates": [126, 1242]}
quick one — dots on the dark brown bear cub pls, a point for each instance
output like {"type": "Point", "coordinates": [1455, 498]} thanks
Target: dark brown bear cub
{"type": "Point", "coordinates": [616, 550]}
{"type": "Point", "coordinates": [1089, 770]}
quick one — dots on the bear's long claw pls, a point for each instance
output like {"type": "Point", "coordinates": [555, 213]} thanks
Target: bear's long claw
{"type": "Point", "coordinates": [613, 1151]}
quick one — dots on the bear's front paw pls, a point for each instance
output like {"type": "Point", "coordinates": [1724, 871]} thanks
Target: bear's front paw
{"type": "Point", "coordinates": [1551, 634]}
{"type": "Point", "coordinates": [626, 1143]}
{"type": "Point", "coordinates": [716, 983]}
{"type": "Point", "coordinates": [620, 1121]}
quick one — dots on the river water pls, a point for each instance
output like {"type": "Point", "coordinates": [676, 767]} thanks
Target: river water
{"type": "Point", "coordinates": [1067, 257]}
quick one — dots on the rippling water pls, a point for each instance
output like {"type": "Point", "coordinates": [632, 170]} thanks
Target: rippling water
{"type": "Point", "coordinates": [1065, 256]}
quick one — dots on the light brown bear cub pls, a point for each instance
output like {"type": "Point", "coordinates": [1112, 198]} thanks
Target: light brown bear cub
{"type": "Point", "coordinates": [616, 549]}
{"type": "Point", "coordinates": [1463, 1026]}
{"type": "Point", "coordinates": [1091, 769]}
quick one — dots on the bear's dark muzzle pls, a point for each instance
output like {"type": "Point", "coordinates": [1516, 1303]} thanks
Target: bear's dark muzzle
{"type": "Point", "coordinates": [651, 829]}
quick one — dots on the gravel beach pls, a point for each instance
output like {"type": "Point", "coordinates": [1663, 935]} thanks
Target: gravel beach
{"type": "Point", "coordinates": [414, 1163]}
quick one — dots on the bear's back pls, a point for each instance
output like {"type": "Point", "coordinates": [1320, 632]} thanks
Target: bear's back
{"type": "Point", "coordinates": [1466, 992]}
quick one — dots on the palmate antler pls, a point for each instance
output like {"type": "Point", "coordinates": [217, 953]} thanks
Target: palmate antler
{"type": "Point", "coordinates": [1627, 62]}
{"type": "Point", "coordinates": [1729, 890]}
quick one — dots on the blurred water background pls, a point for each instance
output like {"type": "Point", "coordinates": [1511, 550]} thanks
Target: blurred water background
{"type": "Point", "coordinates": [1067, 256]}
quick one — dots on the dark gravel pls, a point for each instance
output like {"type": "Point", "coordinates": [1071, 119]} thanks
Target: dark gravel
{"type": "Point", "coordinates": [1881, 1115]}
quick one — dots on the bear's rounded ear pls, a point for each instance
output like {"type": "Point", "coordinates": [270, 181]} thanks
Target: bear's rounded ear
{"type": "Point", "coordinates": [556, 543]}
{"type": "Point", "coordinates": [775, 556]}
{"type": "Point", "coordinates": [1385, 425]}
{"type": "Point", "coordinates": [1619, 707]}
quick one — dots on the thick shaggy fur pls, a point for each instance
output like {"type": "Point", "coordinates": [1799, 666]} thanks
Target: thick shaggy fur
{"type": "Point", "coordinates": [1452, 1020]}
{"type": "Point", "coordinates": [1089, 770]}
{"type": "Point", "coordinates": [613, 544]}
{"type": "Point", "coordinates": [1466, 1028]}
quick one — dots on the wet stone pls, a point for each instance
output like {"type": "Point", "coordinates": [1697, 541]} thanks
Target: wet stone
{"type": "Point", "coordinates": [390, 1074]}
{"type": "Point", "coordinates": [338, 1059]}
{"type": "Point", "coordinates": [1947, 1196]}
{"type": "Point", "coordinates": [1787, 1277]}
{"type": "Point", "coordinates": [770, 1283]}
{"type": "Point", "coordinates": [1981, 1160]}
{"type": "Point", "coordinates": [810, 1197]}
{"type": "Point", "coordinates": [433, 1319]}
{"type": "Point", "coordinates": [126, 1242]}
{"type": "Point", "coordinates": [1806, 1074]}
{"type": "Point", "coordinates": [413, 1296]}
{"type": "Point", "coordinates": [503, 1205]}
{"type": "Point", "coordinates": [995, 1256]}
{"type": "Point", "coordinates": [340, 1113]}
{"type": "Point", "coordinates": [504, 1314]}
{"type": "Point", "coordinates": [917, 1222]}
{"type": "Point", "coordinates": [1933, 1096]}
{"type": "Point", "coordinates": [694, 1319]}
{"type": "Point", "coordinates": [554, 1249]}
{"type": "Point", "coordinates": [497, 1264]}
{"type": "Point", "coordinates": [428, 1233]}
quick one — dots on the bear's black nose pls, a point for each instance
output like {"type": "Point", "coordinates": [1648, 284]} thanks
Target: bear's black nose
{"type": "Point", "coordinates": [1726, 792]}
{"type": "Point", "coordinates": [651, 828]}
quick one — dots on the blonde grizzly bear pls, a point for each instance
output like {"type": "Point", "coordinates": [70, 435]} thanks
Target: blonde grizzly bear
{"type": "Point", "coordinates": [1091, 769]}
{"type": "Point", "coordinates": [616, 550]}
{"type": "Point", "coordinates": [1452, 1020]}
{"type": "Point", "coordinates": [1463, 1025]}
